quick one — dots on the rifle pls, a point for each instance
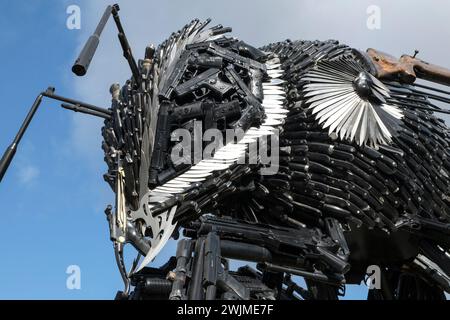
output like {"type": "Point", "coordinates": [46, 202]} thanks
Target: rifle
{"type": "Point", "coordinates": [277, 246]}
{"type": "Point", "coordinates": [407, 68]}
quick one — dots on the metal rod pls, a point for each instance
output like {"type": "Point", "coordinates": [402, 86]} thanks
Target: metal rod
{"type": "Point", "coordinates": [78, 108]}
{"type": "Point", "coordinates": [410, 105]}
{"type": "Point", "coordinates": [244, 251]}
{"type": "Point", "coordinates": [317, 275]}
{"type": "Point", "coordinates": [50, 94]}
{"type": "Point", "coordinates": [87, 108]}
{"type": "Point", "coordinates": [432, 96]}
{"type": "Point", "coordinates": [83, 61]}
{"type": "Point", "coordinates": [415, 92]}
{"type": "Point", "coordinates": [11, 150]}
{"type": "Point", "coordinates": [184, 253]}
{"type": "Point", "coordinates": [431, 88]}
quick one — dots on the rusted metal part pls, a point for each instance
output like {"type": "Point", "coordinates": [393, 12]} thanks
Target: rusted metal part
{"type": "Point", "coordinates": [407, 68]}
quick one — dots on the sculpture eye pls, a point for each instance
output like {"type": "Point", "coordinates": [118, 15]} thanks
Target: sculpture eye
{"type": "Point", "coordinates": [363, 84]}
{"type": "Point", "coordinates": [350, 102]}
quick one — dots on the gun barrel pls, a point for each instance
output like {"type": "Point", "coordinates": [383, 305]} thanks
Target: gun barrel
{"type": "Point", "coordinates": [81, 65]}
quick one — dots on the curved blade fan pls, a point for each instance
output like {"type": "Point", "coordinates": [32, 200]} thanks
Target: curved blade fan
{"type": "Point", "coordinates": [351, 102]}
{"type": "Point", "coordinates": [162, 229]}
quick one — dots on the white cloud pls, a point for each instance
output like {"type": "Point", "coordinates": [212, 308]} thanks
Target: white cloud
{"type": "Point", "coordinates": [28, 174]}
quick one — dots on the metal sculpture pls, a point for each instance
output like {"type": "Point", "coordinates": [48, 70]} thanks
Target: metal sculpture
{"type": "Point", "coordinates": [362, 178]}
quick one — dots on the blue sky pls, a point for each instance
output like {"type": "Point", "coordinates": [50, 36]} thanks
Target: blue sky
{"type": "Point", "coordinates": [53, 196]}
{"type": "Point", "coordinates": [52, 199]}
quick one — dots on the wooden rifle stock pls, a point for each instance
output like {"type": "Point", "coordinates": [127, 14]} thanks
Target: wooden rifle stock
{"type": "Point", "coordinates": [407, 68]}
